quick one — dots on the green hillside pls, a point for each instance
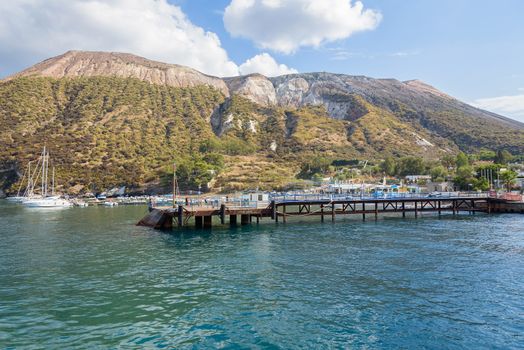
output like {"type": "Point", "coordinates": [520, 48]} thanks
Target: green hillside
{"type": "Point", "coordinates": [107, 131]}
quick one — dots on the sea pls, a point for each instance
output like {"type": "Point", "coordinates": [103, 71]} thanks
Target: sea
{"type": "Point", "coordinates": [88, 278]}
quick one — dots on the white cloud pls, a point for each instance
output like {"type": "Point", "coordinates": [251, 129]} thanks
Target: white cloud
{"type": "Point", "coordinates": [154, 29]}
{"type": "Point", "coordinates": [404, 53]}
{"type": "Point", "coordinates": [286, 25]}
{"type": "Point", "coordinates": [32, 30]}
{"type": "Point", "coordinates": [510, 106]}
{"type": "Point", "coordinates": [265, 65]}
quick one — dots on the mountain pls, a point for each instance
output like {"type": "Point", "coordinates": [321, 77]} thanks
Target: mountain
{"type": "Point", "coordinates": [114, 118]}
{"type": "Point", "coordinates": [74, 64]}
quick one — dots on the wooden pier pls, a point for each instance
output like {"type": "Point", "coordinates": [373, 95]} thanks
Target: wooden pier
{"type": "Point", "coordinates": [283, 209]}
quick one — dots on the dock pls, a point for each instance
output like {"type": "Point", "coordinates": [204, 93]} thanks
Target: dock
{"type": "Point", "coordinates": [325, 207]}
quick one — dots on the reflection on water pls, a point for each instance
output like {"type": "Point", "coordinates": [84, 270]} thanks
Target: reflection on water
{"type": "Point", "coordinates": [87, 277]}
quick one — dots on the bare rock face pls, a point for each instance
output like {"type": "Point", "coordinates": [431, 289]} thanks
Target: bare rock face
{"type": "Point", "coordinates": [124, 65]}
{"type": "Point", "coordinates": [337, 93]}
{"type": "Point", "coordinates": [254, 87]}
{"type": "Point", "coordinates": [292, 92]}
{"type": "Point", "coordinates": [317, 89]}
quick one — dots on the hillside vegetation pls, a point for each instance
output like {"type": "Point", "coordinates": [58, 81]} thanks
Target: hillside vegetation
{"type": "Point", "coordinates": [111, 131]}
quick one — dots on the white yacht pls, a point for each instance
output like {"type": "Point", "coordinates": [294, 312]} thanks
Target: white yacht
{"type": "Point", "coordinates": [48, 202]}
{"type": "Point", "coordinates": [45, 201]}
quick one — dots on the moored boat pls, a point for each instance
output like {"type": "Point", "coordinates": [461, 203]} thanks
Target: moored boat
{"type": "Point", "coordinates": [44, 200]}
{"type": "Point", "coordinates": [48, 202]}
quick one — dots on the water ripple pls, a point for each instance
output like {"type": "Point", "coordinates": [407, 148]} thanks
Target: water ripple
{"type": "Point", "coordinates": [88, 278]}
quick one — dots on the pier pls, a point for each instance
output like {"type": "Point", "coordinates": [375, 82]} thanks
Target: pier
{"type": "Point", "coordinates": [325, 207]}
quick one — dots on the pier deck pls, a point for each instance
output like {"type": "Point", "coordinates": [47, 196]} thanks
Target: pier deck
{"type": "Point", "coordinates": [327, 208]}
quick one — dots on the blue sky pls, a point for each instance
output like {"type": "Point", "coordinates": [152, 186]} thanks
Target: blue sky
{"type": "Point", "coordinates": [473, 50]}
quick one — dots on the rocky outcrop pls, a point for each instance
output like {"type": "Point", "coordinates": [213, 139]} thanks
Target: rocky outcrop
{"type": "Point", "coordinates": [254, 87]}
{"type": "Point", "coordinates": [292, 92]}
{"type": "Point", "coordinates": [337, 91]}
{"type": "Point", "coordinates": [124, 65]}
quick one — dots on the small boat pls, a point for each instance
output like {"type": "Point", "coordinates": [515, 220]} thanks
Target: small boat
{"type": "Point", "coordinates": [110, 204]}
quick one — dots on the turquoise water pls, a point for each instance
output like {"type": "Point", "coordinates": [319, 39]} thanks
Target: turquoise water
{"type": "Point", "coordinates": [88, 278]}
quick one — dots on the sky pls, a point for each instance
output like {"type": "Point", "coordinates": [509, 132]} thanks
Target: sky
{"type": "Point", "coordinates": [470, 49]}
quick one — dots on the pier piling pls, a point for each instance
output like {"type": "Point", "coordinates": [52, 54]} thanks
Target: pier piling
{"type": "Point", "coordinates": [222, 214]}
{"type": "Point", "coordinates": [198, 222]}
{"type": "Point", "coordinates": [208, 221]}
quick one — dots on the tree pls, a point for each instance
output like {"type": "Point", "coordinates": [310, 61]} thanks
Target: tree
{"type": "Point", "coordinates": [508, 177]}
{"type": "Point", "coordinates": [448, 161]}
{"type": "Point", "coordinates": [464, 177]}
{"type": "Point", "coordinates": [503, 157]}
{"type": "Point", "coordinates": [462, 160]}
{"type": "Point", "coordinates": [438, 173]}
{"type": "Point", "coordinates": [389, 166]}
{"type": "Point", "coordinates": [317, 164]}
{"type": "Point", "coordinates": [486, 154]}
{"type": "Point", "coordinates": [410, 166]}
{"type": "Point", "coordinates": [317, 178]}
{"type": "Point", "coordinates": [481, 184]}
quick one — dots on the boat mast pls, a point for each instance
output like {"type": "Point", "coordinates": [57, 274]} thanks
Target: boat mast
{"type": "Point", "coordinates": [28, 191]}
{"type": "Point", "coordinates": [43, 174]}
{"type": "Point", "coordinates": [46, 173]}
{"type": "Point", "coordinates": [34, 178]}
{"type": "Point", "coordinates": [22, 182]}
{"type": "Point", "coordinates": [53, 183]}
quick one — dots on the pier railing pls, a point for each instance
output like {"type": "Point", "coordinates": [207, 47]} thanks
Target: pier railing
{"type": "Point", "coordinates": [348, 197]}
{"type": "Point", "coordinates": [240, 202]}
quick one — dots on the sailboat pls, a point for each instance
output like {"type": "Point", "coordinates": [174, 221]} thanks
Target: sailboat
{"type": "Point", "coordinates": [44, 200]}
{"type": "Point", "coordinates": [21, 196]}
